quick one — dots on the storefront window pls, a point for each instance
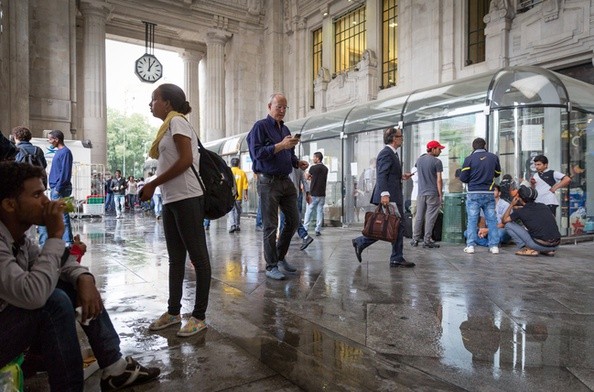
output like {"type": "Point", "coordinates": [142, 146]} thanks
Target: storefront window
{"type": "Point", "coordinates": [456, 134]}
{"type": "Point", "coordinates": [331, 150]}
{"type": "Point", "coordinates": [360, 152]}
{"type": "Point", "coordinates": [581, 168]}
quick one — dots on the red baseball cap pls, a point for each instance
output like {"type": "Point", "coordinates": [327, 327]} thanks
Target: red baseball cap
{"type": "Point", "coordinates": [434, 144]}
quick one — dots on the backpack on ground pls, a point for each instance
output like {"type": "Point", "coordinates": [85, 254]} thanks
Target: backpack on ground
{"type": "Point", "coordinates": [217, 182]}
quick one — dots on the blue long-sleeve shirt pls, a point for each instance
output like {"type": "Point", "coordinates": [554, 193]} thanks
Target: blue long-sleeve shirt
{"type": "Point", "coordinates": [61, 171]}
{"type": "Point", "coordinates": [261, 140]}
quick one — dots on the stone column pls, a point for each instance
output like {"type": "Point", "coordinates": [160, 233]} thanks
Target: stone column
{"type": "Point", "coordinates": [94, 100]}
{"type": "Point", "coordinates": [192, 85]}
{"type": "Point", "coordinates": [498, 25]}
{"type": "Point", "coordinates": [215, 76]}
{"type": "Point", "coordinates": [18, 34]}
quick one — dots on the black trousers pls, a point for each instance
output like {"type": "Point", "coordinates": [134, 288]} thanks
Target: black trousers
{"type": "Point", "coordinates": [277, 192]}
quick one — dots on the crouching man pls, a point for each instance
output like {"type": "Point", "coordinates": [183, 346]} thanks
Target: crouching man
{"type": "Point", "coordinates": [39, 290]}
{"type": "Point", "coordinates": [539, 233]}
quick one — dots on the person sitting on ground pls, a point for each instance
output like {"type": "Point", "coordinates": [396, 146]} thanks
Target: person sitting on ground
{"type": "Point", "coordinates": [40, 287]}
{"type": "Point", "coordinates": [483, 232]}
{"type": "Point", "coordinates": [540, 233]}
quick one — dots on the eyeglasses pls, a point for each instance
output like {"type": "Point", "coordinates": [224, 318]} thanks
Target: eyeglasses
{"type": "Point", "coordinates": [279, 107]}
{"type": "Point", "coordinates": [399, 136]}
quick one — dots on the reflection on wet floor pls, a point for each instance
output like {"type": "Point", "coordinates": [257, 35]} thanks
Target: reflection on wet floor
{"type": "Point", "coordinates": [455, 322]}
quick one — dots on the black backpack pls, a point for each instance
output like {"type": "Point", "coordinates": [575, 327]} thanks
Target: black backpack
{"type": "Point", "coordinates": [217, 182]}
{"type": "Point", "coordinates": [31, 159]}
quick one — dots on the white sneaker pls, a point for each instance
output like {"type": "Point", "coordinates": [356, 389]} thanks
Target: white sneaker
{"type": "Point", "coordinates": [494, 250]}
{"type": "Point", "coordinates": [469, 249]}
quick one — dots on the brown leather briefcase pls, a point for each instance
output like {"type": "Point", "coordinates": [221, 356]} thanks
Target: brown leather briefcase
{"type": "Point", "coordinates": [380, 225]}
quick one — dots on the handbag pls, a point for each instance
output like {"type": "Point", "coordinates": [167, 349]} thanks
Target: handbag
{"type": "Point", "coordinates": [380, 225]}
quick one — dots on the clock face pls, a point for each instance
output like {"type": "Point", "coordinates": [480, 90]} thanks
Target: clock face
{"type": "Point", "coordinates": [148, 68]}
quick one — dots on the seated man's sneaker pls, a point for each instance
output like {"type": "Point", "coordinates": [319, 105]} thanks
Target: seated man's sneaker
{"type": "Point", "coordinates": [494, 250]}
{"type": "Point", "coordinates": [135, 374]}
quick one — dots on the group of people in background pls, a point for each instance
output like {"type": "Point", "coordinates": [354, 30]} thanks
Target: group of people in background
{"type": "Point", "coordinates": [122, 194]}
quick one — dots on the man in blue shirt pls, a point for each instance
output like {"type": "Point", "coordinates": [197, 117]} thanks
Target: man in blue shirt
{"type": "Point", "coordinates": [479, 171]}
{"type": "Point", "coordinates": [59, 182]}
{"type": "Point", "coordinates": [272, 149]}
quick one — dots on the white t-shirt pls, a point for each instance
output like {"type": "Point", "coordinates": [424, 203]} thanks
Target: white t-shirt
{"type": "Point", "coordinates": [186, 184]}
{"type": "Point", "coordinates": [545, 196]}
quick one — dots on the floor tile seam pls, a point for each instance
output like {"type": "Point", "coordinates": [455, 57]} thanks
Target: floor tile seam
{"type": "Point", "coordinates": [287, 346]}
{"type": "Point", "coordinates": [276, 374]}
{"type": "Point", "coordinates": [577, 376]}
{"type": "Point", "coordinates": [402, 362]}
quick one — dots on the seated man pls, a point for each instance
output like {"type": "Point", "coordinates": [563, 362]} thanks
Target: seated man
{"type": "Point", "coordinates": [540, 233]}
{"type": "Point", "coordinates": [39, 290]}
{"type": "Point", "coordinates": [483, 232]}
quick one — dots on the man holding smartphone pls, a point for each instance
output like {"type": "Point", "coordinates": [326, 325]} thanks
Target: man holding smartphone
{"type": "Point", "coordinates": [272, 149]}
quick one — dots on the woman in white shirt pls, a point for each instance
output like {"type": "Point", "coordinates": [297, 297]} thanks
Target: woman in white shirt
{"type": "Point", "coordinates": [176, 149]}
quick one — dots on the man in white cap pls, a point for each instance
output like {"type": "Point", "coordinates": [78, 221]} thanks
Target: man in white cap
{"type": "Point", "coordinates": [388, 189]}
{"type": "Point", "coordinates": [430, 194]}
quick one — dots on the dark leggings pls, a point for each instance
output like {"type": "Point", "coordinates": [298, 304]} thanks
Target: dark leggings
{"type": "Point", "coordinates": [184, 234]}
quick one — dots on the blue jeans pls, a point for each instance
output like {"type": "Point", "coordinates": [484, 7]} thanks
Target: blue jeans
{"type": "Point", "coordinates": [259, 212]}
{"type": "Point", "coordinates": [397, 255]}
{"type": "Point", "coordinates": [109, 202]}
{"type": "Point", "coordinates": [475, 202]}
{"type": "Point", "coordinates": [158, 204]}
{"type": "Point", "coordinates": [234, 216]}
{"type": "Point", "coordinates": [301, 230]}
{"type": "Point", "coordinates": [120, 204]}
{"type": "Point", "coordinates": [522, 238]}
{"type": "Point", "coordinates": [504, 238]}
{"type": "Point", "coordinates": [317, 203]}
{"type": "Point", "coordinates": [67, 237]}
{"type": "Point", "coordinates": [50, 331]}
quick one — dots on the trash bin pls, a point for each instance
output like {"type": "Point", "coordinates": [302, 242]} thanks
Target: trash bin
{"type": "Point", "coordinates": [454, 217]}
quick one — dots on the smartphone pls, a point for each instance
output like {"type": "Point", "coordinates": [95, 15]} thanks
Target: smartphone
{"type": "Point", "coordinates": [297, 135]}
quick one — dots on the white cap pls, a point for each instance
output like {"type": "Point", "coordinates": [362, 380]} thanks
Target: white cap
{"type": "Point", "coordinates": [385, 193]}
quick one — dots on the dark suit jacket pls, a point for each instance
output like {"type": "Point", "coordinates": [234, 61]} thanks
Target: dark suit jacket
{"type": "Point", "coordinates": [389, 178]}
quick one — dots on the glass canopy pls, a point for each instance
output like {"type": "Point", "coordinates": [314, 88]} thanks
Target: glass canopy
{"type": "Point", "coordinates": [509, 87]}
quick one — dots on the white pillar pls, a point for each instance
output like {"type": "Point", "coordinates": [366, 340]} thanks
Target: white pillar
{"type": "Point", "coordinates": [94, 117]}
{"type": "Point", "coordinates": [192, 85]}
{"type": "Point", "coordinates": [215, 76]}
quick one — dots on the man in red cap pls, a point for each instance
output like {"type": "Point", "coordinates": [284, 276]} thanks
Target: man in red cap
{"type": "Point", "coordinates": [430, 194]}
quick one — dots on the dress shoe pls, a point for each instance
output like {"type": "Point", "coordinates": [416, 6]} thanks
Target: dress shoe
{"type": "Point", "coordinates": [430, 245]}
{"type": "Point", "coordinates": [237, 229]}
{"type": "Point", "coordinates": [357, 251]}
{"type": "Point", "coordinates": [232, 230]}
{"type": "Point", "coordinates": [306, 242]}
{"type": "Point", "coordinates": [414, 243]}
{"type": "Point", "coordinates": [318, 234]}
{"type": "Point", "coordinates": [401, 264]}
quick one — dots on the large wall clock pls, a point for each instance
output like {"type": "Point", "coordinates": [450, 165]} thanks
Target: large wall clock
{"type": "Point", "coordinates": [148, 68]}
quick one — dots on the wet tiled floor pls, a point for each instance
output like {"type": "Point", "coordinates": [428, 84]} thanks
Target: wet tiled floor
{"type": "Point", "coordinates": [455, 322]}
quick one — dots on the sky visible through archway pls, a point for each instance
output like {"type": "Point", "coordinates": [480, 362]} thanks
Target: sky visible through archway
{"type": "Point", "coordinates": [125, 91]}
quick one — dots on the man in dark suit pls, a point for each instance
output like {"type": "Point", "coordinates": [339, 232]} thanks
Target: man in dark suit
{"type": "Point", "coordinates": [388, 188]}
